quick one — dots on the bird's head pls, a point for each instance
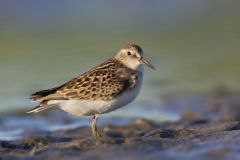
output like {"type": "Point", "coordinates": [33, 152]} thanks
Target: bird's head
{"type": "Point", "coordinates": [132, 56]}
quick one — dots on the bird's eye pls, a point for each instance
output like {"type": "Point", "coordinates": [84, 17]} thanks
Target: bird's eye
{"type": "Point", "coordinates": [129, 53]}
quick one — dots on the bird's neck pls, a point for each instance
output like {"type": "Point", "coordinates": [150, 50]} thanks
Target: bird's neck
{"type": "Point", "coordinates": [140, 68]}
{"type": "Point", "coordinates": [135, 67]}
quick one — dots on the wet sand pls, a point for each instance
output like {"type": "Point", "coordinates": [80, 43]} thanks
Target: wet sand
{"type": "Point", "coordinates": [209, 132]}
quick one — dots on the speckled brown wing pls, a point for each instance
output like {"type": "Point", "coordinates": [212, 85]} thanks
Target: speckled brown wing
{"type": "Point", "coordinates": [105, 82]}
{"type": "Point", "coordinates": [106, 86]}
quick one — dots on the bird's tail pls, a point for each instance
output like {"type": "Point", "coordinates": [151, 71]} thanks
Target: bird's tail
{"type": "Point", "coordinates": [40, 108]}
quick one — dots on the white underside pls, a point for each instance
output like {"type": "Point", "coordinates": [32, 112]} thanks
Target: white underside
{"type": "Point", "coordinates": [88, 108]}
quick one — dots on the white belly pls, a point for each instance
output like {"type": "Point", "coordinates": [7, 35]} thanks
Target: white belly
{"type": "Point", "coordinates": [88, 108]}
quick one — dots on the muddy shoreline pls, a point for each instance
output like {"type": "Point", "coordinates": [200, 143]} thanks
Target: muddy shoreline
{"type": "Point", "coordinates": [140, 139]}
{"type": "Point", "coordinates": [208, 130]}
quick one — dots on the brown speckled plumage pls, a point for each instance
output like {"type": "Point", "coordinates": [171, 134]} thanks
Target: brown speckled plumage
{"type": "Point", "coordinates": [104, 82]}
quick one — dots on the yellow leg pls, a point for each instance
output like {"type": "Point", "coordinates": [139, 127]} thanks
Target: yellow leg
{"type": "Point", "coordinates": [95, 131]}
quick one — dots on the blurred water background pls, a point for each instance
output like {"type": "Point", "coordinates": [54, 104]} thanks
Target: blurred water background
{"type": "Point", "coordinates": [194, 45]}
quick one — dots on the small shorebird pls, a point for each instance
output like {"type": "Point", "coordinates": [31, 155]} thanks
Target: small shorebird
{"type": "Point", "coordinates": [105, 88]}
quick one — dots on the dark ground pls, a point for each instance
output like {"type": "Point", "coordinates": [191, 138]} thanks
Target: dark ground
{"type": "Point", "coordinates": [211, 131]}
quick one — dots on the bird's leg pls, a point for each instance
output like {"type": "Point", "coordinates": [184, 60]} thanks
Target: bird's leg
{"type": "Point", "coordinates": [95, 131]}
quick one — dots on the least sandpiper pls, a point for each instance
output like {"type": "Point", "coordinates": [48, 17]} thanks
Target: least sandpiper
{"type": "Point", "coordinates": [105, 88]}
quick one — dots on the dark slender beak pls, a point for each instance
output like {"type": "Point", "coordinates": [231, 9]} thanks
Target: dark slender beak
{"type": "Point", "coordinates": [147, 63]}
